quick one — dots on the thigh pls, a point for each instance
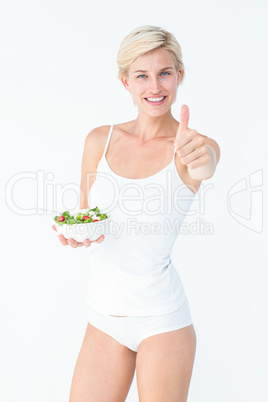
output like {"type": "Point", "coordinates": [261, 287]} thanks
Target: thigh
{"type": "Point", "coordinates": [164, 365]}
{"type": "Point", "coordinates": [104, 370]}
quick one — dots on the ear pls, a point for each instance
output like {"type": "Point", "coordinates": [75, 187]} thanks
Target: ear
{"type": "Point", "coordinates": [124, 81]}
{"type": "Point", "coordinates": [179, 76]}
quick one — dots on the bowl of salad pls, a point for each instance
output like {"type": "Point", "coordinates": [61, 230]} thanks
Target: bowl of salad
{"type": "Point", "coordinates": [82, 224]}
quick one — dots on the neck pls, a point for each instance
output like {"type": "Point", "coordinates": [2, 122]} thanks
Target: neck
{"type": "Point", "coordinates": [149, 127]}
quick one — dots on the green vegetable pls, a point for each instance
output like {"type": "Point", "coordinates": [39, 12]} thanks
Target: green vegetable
{"type": "Point", "coordinates": [71, 220]}
{"type": "Point", "coordinates": [103, 216]}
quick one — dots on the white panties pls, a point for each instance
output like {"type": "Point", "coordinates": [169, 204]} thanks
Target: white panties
{"type": "Point", "coordinates": [131, 330]}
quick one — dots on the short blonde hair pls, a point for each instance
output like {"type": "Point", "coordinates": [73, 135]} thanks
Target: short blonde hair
{"type": "Point", "coordinates": [144, 39]}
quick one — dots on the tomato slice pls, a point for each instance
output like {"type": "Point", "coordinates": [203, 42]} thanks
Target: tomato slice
{"type": "Point", "coordinates": [61, 218]}
{"type": "Point", "coordinates": [85, 217]}
{"type": "Point", "coordinates": [96, 220]}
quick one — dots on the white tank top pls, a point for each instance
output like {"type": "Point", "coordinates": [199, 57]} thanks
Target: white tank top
{"type": "Point", "coordinates": [131, 272]}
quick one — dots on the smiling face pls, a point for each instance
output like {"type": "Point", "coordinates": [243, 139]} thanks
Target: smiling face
{"type": "Point", "coordinates": [153, 81]}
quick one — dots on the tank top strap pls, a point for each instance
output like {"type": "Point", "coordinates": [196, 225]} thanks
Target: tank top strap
{"type": "Point", "coordinates": [108, 140]}
{"type": "Point", "coordinates": [174, 154]}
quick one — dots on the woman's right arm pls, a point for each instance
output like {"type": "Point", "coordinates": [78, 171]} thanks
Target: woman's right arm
{"type": "Point", "coordinates": [93, 148]}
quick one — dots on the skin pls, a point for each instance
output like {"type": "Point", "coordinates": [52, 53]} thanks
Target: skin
{"type": "Point", "coordinates": [153, 120]}
{"type": "Point", "coordinates": [75, 244]}
{"type": "Point", "coordinates": [190, 145]}
{"type": "Point", "coordinates": [164, 362]}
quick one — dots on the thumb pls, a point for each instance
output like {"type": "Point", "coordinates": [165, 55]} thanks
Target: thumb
{"type": "Point", "coordinates": [184, 118]}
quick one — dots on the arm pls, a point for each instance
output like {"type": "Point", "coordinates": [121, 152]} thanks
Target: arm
{"type": "Point", "coordinates": [93, 149]}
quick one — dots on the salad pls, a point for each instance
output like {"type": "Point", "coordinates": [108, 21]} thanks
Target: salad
{"type": "Point", "coordinates": [91, 215]}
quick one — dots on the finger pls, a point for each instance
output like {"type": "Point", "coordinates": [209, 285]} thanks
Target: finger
{"type": "Point", "coordinates": [199, 162]}
{"type": "Point", "coordinates": [191, 156]}
{"type": "Point", "coordinates": [62, 240]}
{"type": "Point", "coordinates": [190, 146]}
{"type": "Point", "coordinates": [100, 239]}
{"type": "Point", "coordinates": [87, 243]}
{"type": "Point", "coordinates": [72, 243]}
{"type": "Point", "coordinates": [184, 121]}
{"type": "Point", "coordinates": [184, 118]}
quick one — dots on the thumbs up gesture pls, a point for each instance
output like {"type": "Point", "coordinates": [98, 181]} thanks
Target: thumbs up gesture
{"type": "Point", "coordinates": [192, 150]}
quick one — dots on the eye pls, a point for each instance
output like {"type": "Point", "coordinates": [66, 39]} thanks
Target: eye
{"type": "Point", "coordinates": [165, 72]}
{"type": "Point", "coordinates": [141, 75]}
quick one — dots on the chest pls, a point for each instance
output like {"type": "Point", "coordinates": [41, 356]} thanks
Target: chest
{"type": "Point", "coordinates": [135, 161]}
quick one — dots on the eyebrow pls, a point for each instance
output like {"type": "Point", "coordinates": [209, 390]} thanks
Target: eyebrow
{"type": "Point", "coordinates": [145, 71]}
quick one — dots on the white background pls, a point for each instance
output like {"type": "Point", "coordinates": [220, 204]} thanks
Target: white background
{"type": "Point", "coordinates": [58, 82]}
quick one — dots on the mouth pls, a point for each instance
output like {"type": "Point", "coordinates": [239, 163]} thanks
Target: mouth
{"type": "Point", "coordinates": [159, 100]}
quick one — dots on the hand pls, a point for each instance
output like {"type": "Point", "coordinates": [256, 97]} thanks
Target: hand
{"type": "Point", "coordinates": [190, 145]}
{"type": "Point", "coordinates": [75, 244]}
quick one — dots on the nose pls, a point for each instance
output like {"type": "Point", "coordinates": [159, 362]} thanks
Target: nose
{"type": "Point", "coordinates": [155, 85]}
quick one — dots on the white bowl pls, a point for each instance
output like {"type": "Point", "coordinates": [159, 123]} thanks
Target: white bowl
{"type": "Point", "coordinates": [82, 231]}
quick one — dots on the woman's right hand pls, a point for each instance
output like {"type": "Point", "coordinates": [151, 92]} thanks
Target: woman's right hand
{"type": "Point", "coordinates": [75, 244]}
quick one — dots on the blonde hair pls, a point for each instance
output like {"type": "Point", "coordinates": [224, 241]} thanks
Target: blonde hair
{"type": "Point", "coordinates": [144, 39]}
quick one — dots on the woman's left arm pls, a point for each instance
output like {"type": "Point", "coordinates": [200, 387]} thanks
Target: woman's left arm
{"type": "Point", "coordinates": [198, 152]}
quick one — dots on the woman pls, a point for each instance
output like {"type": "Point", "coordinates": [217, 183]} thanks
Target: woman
{"type": "Point", "coordinates": [148, 172]}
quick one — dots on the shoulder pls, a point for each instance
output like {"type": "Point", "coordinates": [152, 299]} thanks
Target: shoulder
{"type": "Point", "coordinates": [96, 139]}
{"type": "Point", "coordinates": [97, 136]}
{"type": "Point", "coordinates": [94, 146]}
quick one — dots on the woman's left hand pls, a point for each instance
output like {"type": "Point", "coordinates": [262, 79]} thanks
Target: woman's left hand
{"type": "Point", "coordinates": [190, 145]}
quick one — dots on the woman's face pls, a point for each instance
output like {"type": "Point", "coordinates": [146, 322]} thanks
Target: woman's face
{"type": "Point", "coordinates": [153, 81]}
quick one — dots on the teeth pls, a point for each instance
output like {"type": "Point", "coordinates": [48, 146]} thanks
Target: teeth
{"type": "Point", "coordinates": [155, 99]}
